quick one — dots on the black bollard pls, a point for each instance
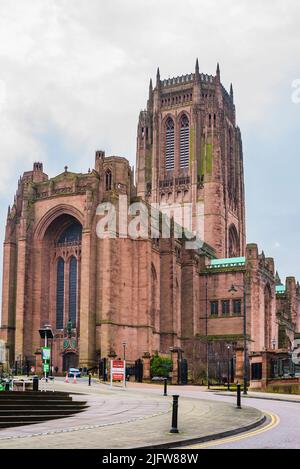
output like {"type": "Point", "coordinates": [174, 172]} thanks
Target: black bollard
{"type": "Point", "coordinates": [165, 386]}
{"type": "Point", "coordinates": [35, 383]}
{"type": "Point", "coordinates": [238, 396]}
{"type": "Point", "coordinates": [174, 428]}
{"type": "Point", "coordinates": [90, 379]}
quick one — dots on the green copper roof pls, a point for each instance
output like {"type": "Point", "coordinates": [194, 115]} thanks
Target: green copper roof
{"type": "Point", "coordinates": [230, 262]}
{"type": "Point", "coordinates": [280, 289]}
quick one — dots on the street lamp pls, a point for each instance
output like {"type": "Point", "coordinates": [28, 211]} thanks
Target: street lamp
{"type": "Point", "coordinates": [233, 289]}
{"type": "Point", "coordinates": [124, 350]}
{"type": "Point", "coordinates": [46, 333]}
{"type": "Point", "coordinates": [228, 368]}
{"type": "Point", "coordinates": [273, 343]}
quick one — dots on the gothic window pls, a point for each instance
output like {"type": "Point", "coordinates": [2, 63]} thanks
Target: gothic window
{"type": "Point", "coordinates": [233, 242]}
{"type": "Point", "coordinates": [170, 144]}
{"type": "Point", "coordinates": [60, 293]}
{"type": "Point", "coordinates": [108, 180]}
{"type": "Point", "coordinates": [184, 142]}
{"type": "Point", "coordinates": [237, 307]}
{"type": "Point", "coordinates": [225, 307]}
{"type": "Point", "coordinates": [214, 308]}
{"type": "Point", "coordinates": [73, 291]}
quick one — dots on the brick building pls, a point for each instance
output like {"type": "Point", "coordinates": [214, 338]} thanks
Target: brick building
{"type": "Point", "coordinates": [155, 294]}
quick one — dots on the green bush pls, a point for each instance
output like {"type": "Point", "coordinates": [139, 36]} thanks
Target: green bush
{"type": "Point", "coordinates": [160, 366]}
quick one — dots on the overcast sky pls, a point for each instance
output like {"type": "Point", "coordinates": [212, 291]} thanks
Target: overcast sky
{"type": "Point", "coordinates": [74, 75]}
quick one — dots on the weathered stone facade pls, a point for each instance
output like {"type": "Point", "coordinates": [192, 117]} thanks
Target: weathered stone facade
{"type": "Point", "coordinates": [153, 294]}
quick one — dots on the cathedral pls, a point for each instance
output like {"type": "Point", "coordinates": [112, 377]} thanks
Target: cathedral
{"type": "Point", "coordinates": [149, 294]}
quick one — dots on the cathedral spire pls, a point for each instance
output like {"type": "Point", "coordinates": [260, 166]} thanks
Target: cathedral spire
{"type": "Point", "coordinates": [197, 75]}
{"type": "Point", "coordinates": [150, 87]}
{"type": "Point", "coordinates": [157, 77]}
{"type": "Point", "coordinates": [218, 73]}
{"type": "Point", "coordinates": [277, 279]}
{"type": "Point", "coordinates": [231, 91]}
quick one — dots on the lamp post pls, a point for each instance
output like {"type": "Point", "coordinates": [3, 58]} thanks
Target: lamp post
{"type": "Point", "coordinates": [124, 350]}
{"type": "Point", "coordinates": [228, 368]}
{"type": "Point", "coordinates": [46, 333]}
{"type": "Point", "coordinates": [233, 289]}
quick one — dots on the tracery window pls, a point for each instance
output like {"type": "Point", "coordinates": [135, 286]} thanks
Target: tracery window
{"type": "Point", "coordinates": [108, 180]}
{"type": "Point", "coordinates": [73, 291]}
{"type": "Point", "coordinates": [60, 293]}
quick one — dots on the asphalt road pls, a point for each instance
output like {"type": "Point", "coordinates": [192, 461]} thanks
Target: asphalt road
{"type": "Point", "coordinates": [282, 432]}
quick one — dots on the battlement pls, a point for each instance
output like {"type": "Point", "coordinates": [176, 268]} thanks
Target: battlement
{"type": "Point", "coordinates": [186, 79]}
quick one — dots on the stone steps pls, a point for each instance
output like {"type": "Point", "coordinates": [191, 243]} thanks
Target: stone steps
{"type": "Point", "coordinates": [25, 408]}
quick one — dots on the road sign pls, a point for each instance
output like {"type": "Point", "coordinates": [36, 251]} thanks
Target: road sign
{"type": "Point", "coordinates": [46, 367]}
{"type": "Point", "coordinates": [46, 354]}
{"type": "Point", "coordinates": [118, 371]}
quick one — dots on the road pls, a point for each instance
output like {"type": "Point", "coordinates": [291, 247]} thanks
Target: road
{"type": "Point", "coordinates": [282, 432]}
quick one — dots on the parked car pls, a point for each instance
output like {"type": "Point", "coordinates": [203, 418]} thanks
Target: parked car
{"type": "Point", "coordinates": [74, 372]}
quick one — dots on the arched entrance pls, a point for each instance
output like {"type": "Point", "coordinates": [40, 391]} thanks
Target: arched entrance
{"type": "Point", "coordinates": [70, 360]}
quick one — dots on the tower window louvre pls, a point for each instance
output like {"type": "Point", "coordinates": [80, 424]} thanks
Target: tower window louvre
{"type": "Point", "coordinates": [184, 142]}
{"type": "Point", "coordinates": [170, 144]}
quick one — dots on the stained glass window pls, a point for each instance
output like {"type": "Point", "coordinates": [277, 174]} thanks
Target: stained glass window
{"type": "Point", "coordinates": [72, 234]}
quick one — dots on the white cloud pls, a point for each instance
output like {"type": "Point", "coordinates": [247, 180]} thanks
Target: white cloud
{"type": "Point", "coordinates": [81, 68]}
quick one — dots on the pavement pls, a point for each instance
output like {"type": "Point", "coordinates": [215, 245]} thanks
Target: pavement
{"type": "Point", "coordinates": [265, 395]}
{"type": "Point", "coordinates": [135, 417]}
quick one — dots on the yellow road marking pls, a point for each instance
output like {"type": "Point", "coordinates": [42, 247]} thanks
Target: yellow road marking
{"type": "Point", "coordinates": [272, 424]}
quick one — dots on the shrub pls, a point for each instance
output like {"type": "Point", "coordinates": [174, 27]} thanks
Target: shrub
{"type": "Point", "coordinates": [160, 366]}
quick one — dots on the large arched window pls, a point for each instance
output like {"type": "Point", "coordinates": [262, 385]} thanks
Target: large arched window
{"type": "Point", "coordinates": [170, 142]}
{"type": "Point", "coordinates": [72, 234]}
{"type": "Point", "coordinates": [184, 141]}
{"type": "Point", "coordinates": [60, 293]}
{"type": "Point", "coordinates": [233, 242]}
{"type": "Point", "coordinates": [73, 291]}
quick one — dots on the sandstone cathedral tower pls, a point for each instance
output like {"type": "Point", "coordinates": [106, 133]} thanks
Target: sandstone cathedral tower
{"type": "Point", "coordinates": [189, 150]}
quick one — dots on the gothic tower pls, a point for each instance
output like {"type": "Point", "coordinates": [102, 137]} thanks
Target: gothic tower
{"type": "Point", "coordinates": [189, 150]}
